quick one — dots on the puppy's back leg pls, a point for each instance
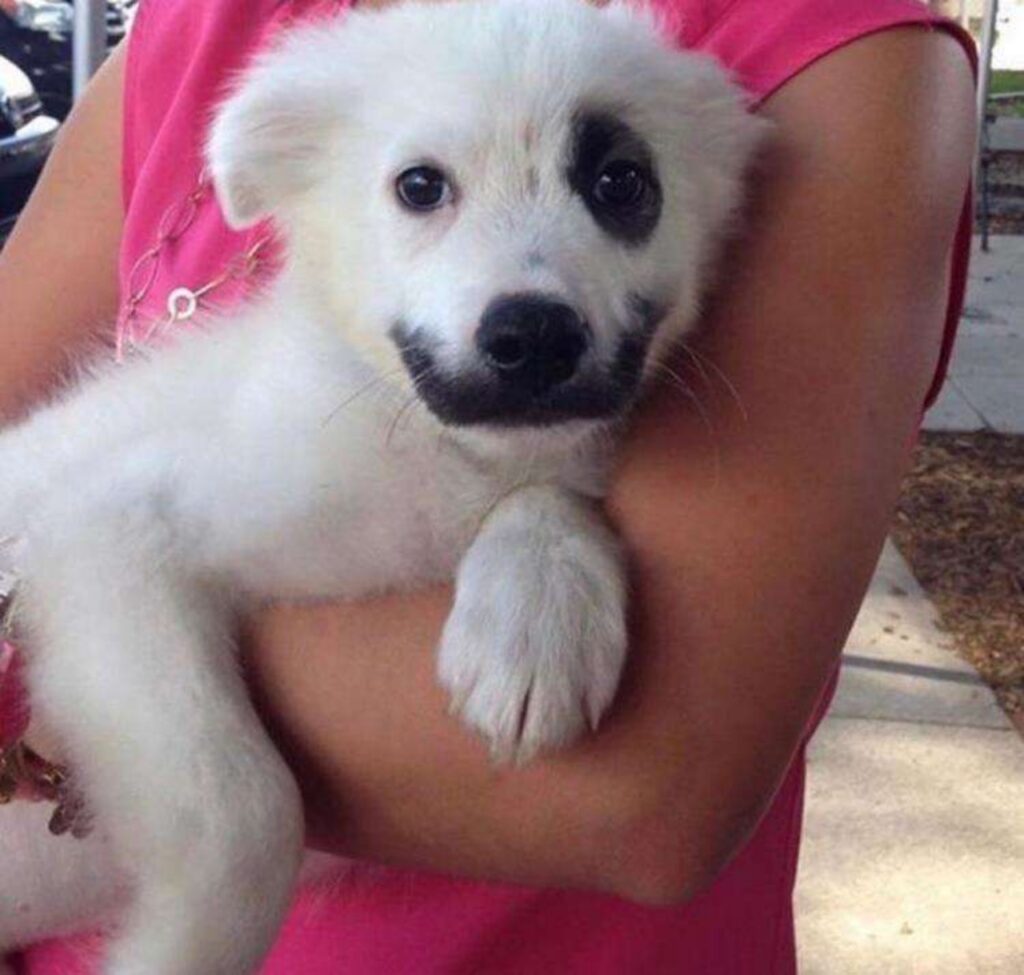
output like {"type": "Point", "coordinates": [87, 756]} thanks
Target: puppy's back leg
{"type": "Point", "coordinates": [131, 662]}
{"type": "Point", "coordinates": [51, 885]}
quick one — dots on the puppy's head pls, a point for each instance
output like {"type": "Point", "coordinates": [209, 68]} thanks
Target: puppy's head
{"type": "Point", "coordinates": [509, 204]}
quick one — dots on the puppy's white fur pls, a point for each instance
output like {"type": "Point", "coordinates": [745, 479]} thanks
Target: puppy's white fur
{"type": "Point", "coordinates": [281, 451]}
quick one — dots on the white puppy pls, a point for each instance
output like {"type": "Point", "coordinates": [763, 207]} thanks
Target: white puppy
{"type": "Point", "coordinates": [498, 216]}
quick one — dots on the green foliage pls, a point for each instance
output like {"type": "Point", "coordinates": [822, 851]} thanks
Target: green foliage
{"type": "Point", "coordinates": [1006, 81]}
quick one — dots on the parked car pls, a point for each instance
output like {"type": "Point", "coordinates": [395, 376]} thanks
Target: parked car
{"type": "Point", "coordinates": [35, 88]}
{"type": "Point", "coordinates": [36, 35]}
{"type": "Point", "coordinates": [26, 137]}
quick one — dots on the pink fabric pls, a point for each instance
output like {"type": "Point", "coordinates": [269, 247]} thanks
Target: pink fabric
{"type": "Point", "coordinates": [13, 713]}
{"type": "Point", "coordinates": [182, 54]}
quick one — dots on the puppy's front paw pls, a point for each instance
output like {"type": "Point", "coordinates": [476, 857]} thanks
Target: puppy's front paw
{"type": "Point", "coordinates": [533, 649]}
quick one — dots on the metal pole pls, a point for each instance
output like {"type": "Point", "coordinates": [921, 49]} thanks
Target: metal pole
{"type": "Point", "coordinates": [988, 37]}
{"type": "Point", "coordinates": [88, 42]}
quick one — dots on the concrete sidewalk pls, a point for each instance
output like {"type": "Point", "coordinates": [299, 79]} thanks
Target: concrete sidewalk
{"type": "Point", "coordinates": [985, 388]}
{"type": "Point", "coordinates": [913, 857]}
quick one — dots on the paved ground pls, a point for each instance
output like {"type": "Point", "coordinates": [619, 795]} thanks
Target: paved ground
{"type": "Point", "coordinates": [986, 380]}
{"type": "Point", "coordinates": [913, 859]}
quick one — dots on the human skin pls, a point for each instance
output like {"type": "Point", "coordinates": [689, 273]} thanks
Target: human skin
{"type": "Point", "coordinates": [752, 532]}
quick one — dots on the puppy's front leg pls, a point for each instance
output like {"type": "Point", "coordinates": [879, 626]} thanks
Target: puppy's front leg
{"type": "Point", "coordinates": [534, 646]}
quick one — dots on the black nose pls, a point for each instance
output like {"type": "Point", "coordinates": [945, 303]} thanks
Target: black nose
{"type": "Point", "coordinates": [532, 341]}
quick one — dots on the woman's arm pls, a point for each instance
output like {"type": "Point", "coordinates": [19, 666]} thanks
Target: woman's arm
{"type": "Point", "coordinates": [58, 271]}
{"type": "Point", "coordinates": [753, 533]}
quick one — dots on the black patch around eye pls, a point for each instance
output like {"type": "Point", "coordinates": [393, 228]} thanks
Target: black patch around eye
{"type": "Point", "coordinates": [599, 141]}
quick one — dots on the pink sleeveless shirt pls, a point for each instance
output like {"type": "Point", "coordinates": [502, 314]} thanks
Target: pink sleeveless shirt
{"type": "Point", "coordinates": [403, 922]}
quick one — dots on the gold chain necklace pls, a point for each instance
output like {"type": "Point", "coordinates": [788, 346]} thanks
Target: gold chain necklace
{"type": "Point", "coordinates": [183, 301]}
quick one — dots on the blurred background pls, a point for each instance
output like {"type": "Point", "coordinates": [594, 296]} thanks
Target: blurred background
{"type": "Point", "coordinates": [37, 80]}
{"type": "Point", "coordinates": [913, 861]}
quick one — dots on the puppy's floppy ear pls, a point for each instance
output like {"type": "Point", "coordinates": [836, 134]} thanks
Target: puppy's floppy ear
{"type": "Point", "coordinates": [270, 138]}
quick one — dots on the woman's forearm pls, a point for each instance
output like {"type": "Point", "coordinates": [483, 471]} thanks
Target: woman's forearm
{"type": "Point", "coordinates": [389, 775]}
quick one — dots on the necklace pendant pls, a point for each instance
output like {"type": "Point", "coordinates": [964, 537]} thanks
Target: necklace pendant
{"type": "Point", "coordinates": [182, 304]}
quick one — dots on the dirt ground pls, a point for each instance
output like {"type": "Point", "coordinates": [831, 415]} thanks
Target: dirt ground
{"type": "Point", "coordinates": [1006, 182]}
{"type": "Point", "coordinates": [960, 524]}
{"type": "Point", "coordinates": [1006, 177]}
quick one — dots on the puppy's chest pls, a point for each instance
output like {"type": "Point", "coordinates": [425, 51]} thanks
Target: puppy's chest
{"type": "Point", "coordinates": [364, 514]}
{"type": "Point", "coordinates": [319, 499]}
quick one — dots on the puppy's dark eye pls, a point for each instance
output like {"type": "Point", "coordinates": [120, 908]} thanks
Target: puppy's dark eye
{"type": "Point", "coordinates": [423, 188]}
{"type": "Point", "coordinates": [620, 185]}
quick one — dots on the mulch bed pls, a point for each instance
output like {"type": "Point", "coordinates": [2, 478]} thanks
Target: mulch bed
{"type": "Point", "coordinates": [1006, 182]}
{"type": "Point", "coordinates": [960, 524]}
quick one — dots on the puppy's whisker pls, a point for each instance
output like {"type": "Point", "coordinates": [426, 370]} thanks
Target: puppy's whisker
{"type": "Point", "coordinates": [676, 382]}
{"type": "Point", "coordinates": [673, 380]}
{"type": "Point", "coordinates": [697, 364]}
{"type": "Point", "coordinates": [409, 404]}
{"type": "Point", "coordinates": [423, 373]}
{"type": "Point", "coordinates": [400, 413]}
{"type": "Point", "coordinates": [362, 391]}
{"type": "Point", "coordinates": [697, 358]}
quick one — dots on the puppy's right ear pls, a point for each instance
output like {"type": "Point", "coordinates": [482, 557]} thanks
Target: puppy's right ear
{"type": "Point", "coordinates": [269, 139]}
